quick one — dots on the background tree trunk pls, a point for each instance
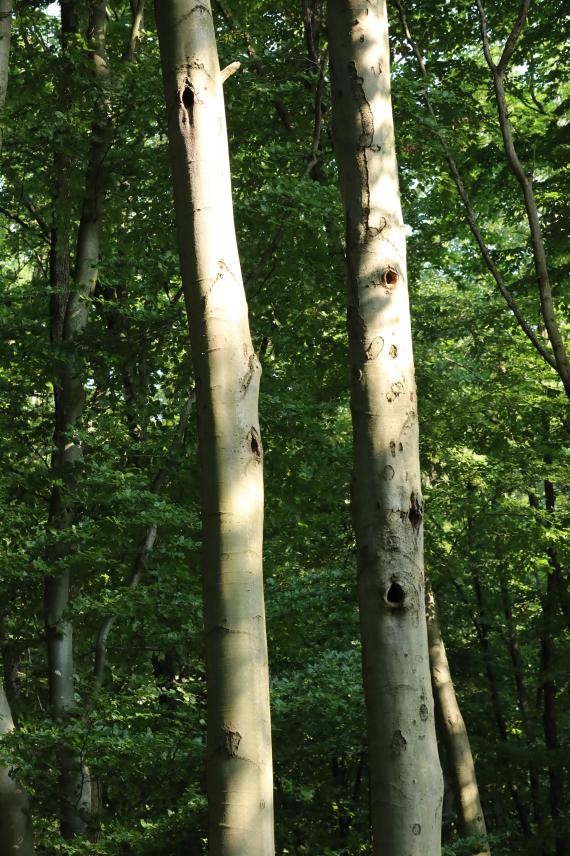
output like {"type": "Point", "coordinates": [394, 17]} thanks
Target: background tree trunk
{"type": "Point", "coordinates": [471, 819]}
{"type": "Point", "coordinates": [406, 778]}
{"type": "Point", "coordinates": [16, 835]}
{"type": "Point", "coordinates": [227, 372]}
{"type": "Point", "coordinates": [68, 324]}
{"type": "Point", "coordinates": [5, 30]}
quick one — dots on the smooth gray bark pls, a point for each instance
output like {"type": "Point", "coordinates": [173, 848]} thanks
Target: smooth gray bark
{"type": "Point", "coordinates": [227, 373]}
{"type": "Point", "coordinates": [406, 780]}
{"type": "Point", "coordinates": [16, 836]}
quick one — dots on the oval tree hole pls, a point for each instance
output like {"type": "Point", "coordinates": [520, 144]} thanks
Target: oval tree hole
{"type": "Point", "coordinates": [390, 278]}
{"type": "Point", "coordinates": [188, 97]}
{"type": "Point", "coordinates": [396, 595]}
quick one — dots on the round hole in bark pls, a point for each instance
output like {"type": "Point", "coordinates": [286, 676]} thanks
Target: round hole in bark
{"type": "Point", "coordinates": [390, 278]}
{"type": "Point", "coordinates": [395, 596]}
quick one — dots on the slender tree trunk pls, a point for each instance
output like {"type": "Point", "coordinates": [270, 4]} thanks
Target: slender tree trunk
{"type": "Point", "coordinates": [68, 324]}
{"type": "Point", "coordinates": [482, 628]}
{"type": "Point", "coordinates": [5, 30]}
{"type": "Point", "coordinates": [550, 717]}
{"type": "Point", "coordinates": [471, 820]}
{"type": "Point", "coordinates": [550, 714]}
{"type": "Point", "coordinates": [227, 372]}
{"type": "Point", "coordinates": [523, 703]}
{"type": "Point", "coordinates": [406, 778]}
{"type": "Point", "coordinates": [16, 835]}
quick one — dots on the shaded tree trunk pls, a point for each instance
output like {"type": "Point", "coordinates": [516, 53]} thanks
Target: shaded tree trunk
{"type": "Point", "coordinates": [68, 324]}
{"type": "Point", "coordinates": [523, 702]}
{"type": "Point", "coordinates": [406, 780]}
{"type": "Point", "coordinates": [16, 835]}
{"type": "Point", "coordinates": [471, 819]}
{"type": "Point", "coordinates": [550, 714]}
{"type": "Point", "coordinates": [482, 628]}
{"type": "Point", "coordinates": [5, 32]}
{"type": "Point", "coordinates": [227, 372]}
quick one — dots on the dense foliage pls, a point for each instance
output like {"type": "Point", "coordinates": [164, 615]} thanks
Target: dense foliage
{"type": "Point", "coordinates": [494, 425]}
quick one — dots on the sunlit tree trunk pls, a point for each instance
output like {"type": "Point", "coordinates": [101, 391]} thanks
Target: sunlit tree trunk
{"type": "Point", "coordinates": [406, 778]}
{"type": "Point", "coordinates": [471, 820]}
{"type": "Point", "coordinates": [227, 373]}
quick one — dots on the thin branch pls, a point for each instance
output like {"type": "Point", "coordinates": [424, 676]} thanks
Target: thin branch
{"type": "Point", "coordinates": [562, 363]}
{"type": "Point", "coordinates": [513, 36]}
{"type": "Point", "coordinates": [485, 36]}
{"type": "Point", "coordinates": [469, 211]}
{"type": "Point", "coordinates": [24, 223]}
{"type": "Point", "coordinates": [229, 70]}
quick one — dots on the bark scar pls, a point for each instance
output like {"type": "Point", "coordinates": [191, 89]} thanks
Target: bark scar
{"type": "Point", "coordinates": [248, 376]}
{"type": "Point", "coordinates": [230, 742]}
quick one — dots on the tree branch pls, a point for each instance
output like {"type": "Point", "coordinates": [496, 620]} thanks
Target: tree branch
{"type": "Point", "coordinates": [510, 44]}
{"type": "Point", "coordinates": [562, 363]}
{"type": "Point", "coordinates": [469, 211]}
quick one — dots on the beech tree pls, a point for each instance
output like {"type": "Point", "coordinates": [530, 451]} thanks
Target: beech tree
{"type": "Point", "coordinates": [406, 788]}
{"type": "Point", "coordinates": [227, 372]}
{"type": "Point", "coordinates": [492, 419]}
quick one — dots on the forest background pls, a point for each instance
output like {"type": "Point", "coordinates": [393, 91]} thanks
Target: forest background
{"type": "Point", "coordinates": [493, 421]}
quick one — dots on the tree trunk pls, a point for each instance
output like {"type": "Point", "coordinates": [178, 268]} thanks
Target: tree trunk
{"type": "Point", "coordinates": [523, 702]}
{"type": "Point", "coordinates": [471, 820]}
{"type": "Point", "coordinates": [550, 690]}
{"type": "Point", "coordinates": [482, 624]}
{"type": "Point", "coordinates": [5, 30]}
{"type": "Point", "coordinates": [406, 778]}
{"type": "Point", "coordinates": [16, 835]}
{"type": "Point", "coordinates": [69, 396]}
{"type": "Point", "coordinates": [227, 372]}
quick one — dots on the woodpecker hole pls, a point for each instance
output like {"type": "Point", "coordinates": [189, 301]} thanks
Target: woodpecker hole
{"type": "Point", "coordinates": [395, 596]}
{"type": "Point", "coordinates": [254, 441]}
{"type": "Point", "coordinates": [416, 512]}
{"type": "Point", "coordinates": [188, 97]}
{"type": "Point", "coordinates": [390, 278]}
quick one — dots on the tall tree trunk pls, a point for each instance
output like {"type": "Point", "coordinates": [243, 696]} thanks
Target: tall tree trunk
{"type": "Point", "coordinates": [406, 778]}
{"type": "Point", "coordinates": [15, 821]}
{"type": "Point", "coordinates": [75, 796]}
{"type": "Point", "coordinates": [550, 715]}
{"type": "Point", "coordinates": [227, 372]}
{"type": "Point", "coordinates": [471, 820]}
{"type": "Point", "coordinates": [16, 835]}
{"type": "Point", "coordinates": [482, 623]}
{"type": "Point", "coordinates": [5, 30]}
{"type": "Point", "coordinates": [523, 702]}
